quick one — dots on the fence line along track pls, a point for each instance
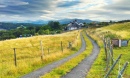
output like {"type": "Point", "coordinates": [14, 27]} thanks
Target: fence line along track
{"type": "Point", "coordinates": [48, 68]}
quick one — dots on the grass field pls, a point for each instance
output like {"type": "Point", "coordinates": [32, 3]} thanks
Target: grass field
{"type": "Point", "coordinates": [121, 31]}
{"type": "Point", "coordinates": [29, 52]}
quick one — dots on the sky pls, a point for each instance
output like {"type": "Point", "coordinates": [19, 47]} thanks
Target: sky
{"type": "Point", "coordinates": [98, 10]}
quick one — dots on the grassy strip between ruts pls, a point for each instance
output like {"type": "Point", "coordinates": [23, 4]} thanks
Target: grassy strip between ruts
{"type": "Point", "coordinates": [69, 65]}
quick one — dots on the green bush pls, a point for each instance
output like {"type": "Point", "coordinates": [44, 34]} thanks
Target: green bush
{"type": "Point", "coordinates": [59, 31]}
{"type": "Point", "coordinates": [112, 36]}
{"type": "Point", "coordinates": [74, 49]}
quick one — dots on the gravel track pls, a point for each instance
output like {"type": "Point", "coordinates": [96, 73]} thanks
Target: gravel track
{"type": "Point", "coordinates": [48, 68]}
{"type": "Point", "coordinates": [81, 70]}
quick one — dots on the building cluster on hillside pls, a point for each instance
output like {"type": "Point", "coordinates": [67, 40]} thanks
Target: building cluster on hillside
{"type": "Point", "coordinates": [74, 25]}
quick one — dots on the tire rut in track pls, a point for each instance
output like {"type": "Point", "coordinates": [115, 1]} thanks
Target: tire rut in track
{"type": "Point", "coordinates": [81, 70]}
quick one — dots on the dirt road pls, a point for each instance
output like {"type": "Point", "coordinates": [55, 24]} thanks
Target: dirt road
{"type": "Point", "coordinates": [48, 68]}
{"type": "Point", "coordinates": [81, 70]}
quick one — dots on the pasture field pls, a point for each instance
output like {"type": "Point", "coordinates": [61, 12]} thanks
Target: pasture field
{"type": "Point", "coordinates": [120, 31]}
{"type": "Point", "coordinates": [29, 51]}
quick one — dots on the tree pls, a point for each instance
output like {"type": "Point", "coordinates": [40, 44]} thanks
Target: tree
{"type": "Point", "coordinates": [51, 23]}
{"type": "Point", "coordinates": [47, 31]}
{"type": "Point", "coordinates": [55, 25]}
{"type": "Point", "coordinates": [45, 27]}
{"type": "Point", "coordinates": [41, 32]}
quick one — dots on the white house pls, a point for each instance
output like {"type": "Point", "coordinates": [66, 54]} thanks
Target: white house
{"type": "Point", "coordinates": [74, 25]}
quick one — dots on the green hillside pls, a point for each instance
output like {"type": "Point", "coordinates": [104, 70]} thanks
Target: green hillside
{"type": "Point", "coordinates": [120, 31]}
{"type": "Point", "coordinates": [119, 27]}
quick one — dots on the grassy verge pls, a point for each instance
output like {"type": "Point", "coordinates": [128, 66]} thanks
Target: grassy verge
{"type": "Point", "coordinates": [113, 31]}
{"type": "Point", "coordinates": [29, 59]}
{"type": "Point", "coordinates": [69, 65]}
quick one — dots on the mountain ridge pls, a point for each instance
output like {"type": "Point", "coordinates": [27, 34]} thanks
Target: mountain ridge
{"type": "Point", "coordinates": [62, 21]}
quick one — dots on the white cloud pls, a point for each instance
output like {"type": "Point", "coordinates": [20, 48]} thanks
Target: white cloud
{"type": "Point", "coordinates": [2, 5]}
{"type": "Point", "coordinates": [13, 3]}
{"type": "Point", "coordinates": [50, 10]}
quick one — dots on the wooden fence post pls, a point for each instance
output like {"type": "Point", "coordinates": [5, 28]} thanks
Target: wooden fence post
{"type": "Point", "coordinates": [106, 53]}
{"type": "Point", "coordinates": [69, 45]}
{"type": "Point", "coordinates": [48, 50]}
{"type": "Point", "coordinates": [105, 46]}
{"type": "Point", "coordinates": [111, 50]}
{"type": "Point", "coordinates": [41, 49]}
{"type": "Point", "coordinates": [108, 59]}
{"type": "Point", "coordinates": [15, 58]}
{"type": "Point", "coordinates": [61, 47]}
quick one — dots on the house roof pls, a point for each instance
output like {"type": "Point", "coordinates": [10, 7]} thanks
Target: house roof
{"type": "Point", "coordinates": [73, 24]}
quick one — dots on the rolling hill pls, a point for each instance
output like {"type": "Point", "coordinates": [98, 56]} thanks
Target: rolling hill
{"type": "Point", "coordinates": [118, 31]}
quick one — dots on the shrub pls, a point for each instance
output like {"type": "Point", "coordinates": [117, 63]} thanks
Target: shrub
{"type": "Point", "coordinates": [74, 49]}
{"type": "Point", "coordinates": [111, 36]}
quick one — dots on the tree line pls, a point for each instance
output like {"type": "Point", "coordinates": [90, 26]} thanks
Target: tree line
{"type": "Point", "coordinates": [8, 26]}
{"type": "Point", "coordinates": [17, 30]}
{"type": "Point", "coordinates": [52, 27]}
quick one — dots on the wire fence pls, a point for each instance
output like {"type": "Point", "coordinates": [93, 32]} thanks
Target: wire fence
{"type": "Point", "coordinates": [34, 53]}
{"type": "Point", "coordinates": [114, 66]}
{"type": "Point", "coordinates": [110, 61]}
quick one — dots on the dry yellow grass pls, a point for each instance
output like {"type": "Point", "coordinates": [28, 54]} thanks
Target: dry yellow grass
{"type": "Point", "coordinates": [29, 52]}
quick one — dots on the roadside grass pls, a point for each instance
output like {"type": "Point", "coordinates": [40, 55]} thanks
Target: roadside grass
{"type": "Point", "coordinates": [98, 67]}
{"type": "Point", "coordinates": [120, 31]}
{"type": "Point", "coordinates": [28, 52]}
{"type": "Point", "coordinates": [69, 65]}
